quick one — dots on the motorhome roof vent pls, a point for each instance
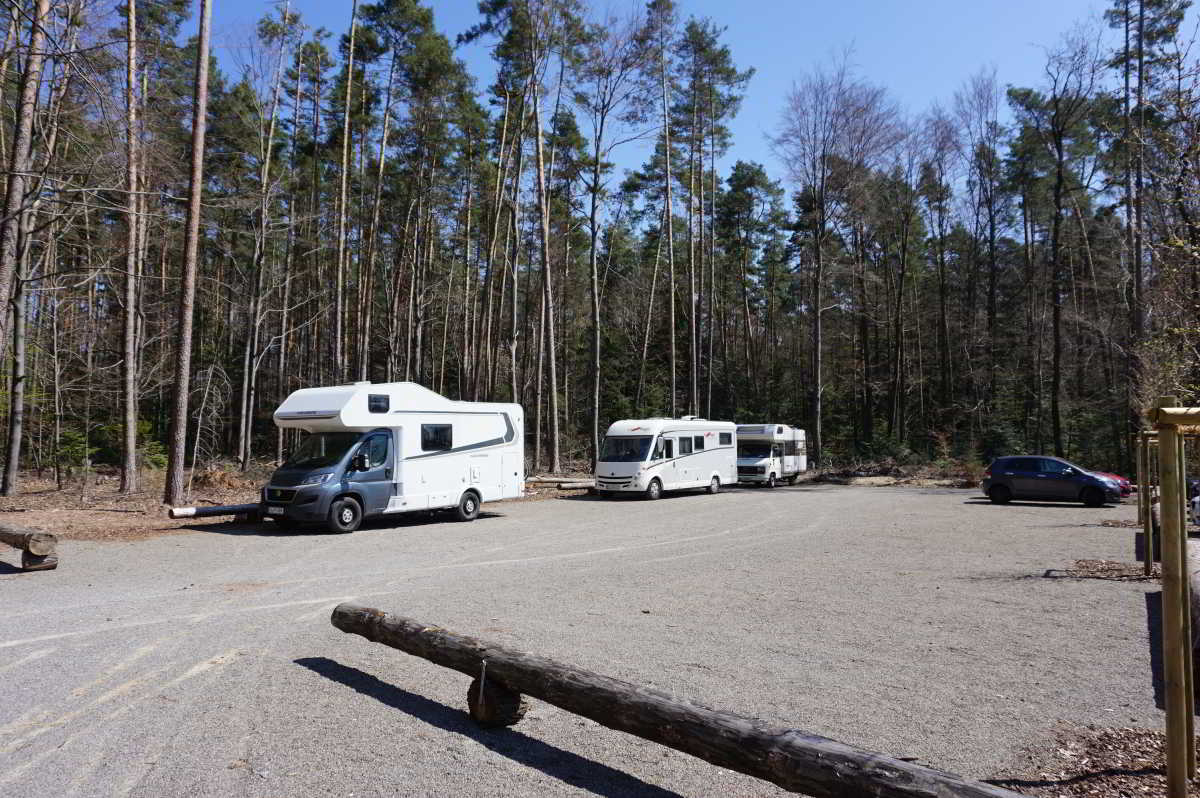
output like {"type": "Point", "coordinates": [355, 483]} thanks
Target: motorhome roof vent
{"type": "Point", "coordinates": [363, 382]}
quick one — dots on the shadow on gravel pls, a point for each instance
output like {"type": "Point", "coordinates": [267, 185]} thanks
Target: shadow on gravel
{"type": "Point", "coordinates": [267, 529]}
{"type": "Point", "coordinates": [683, 494]}
{"type": "Point", "coordinates": [1017, 784]}
{"type": "Point", "coordinates": [1154, 634]}
{"type": "Point", "coordinates": [6, 568]}
{"type": "Point", "coordinates": [568, 767]}
{"type": "Point", "coordinates": [1063, 505]}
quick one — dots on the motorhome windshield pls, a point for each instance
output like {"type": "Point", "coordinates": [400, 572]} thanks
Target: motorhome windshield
{"type": "Point", "coordinates": [625, 449]}
{"type": "Point", "coordinates": [755, 449]}
{"type": "Point", "coordinates": [322, 449]}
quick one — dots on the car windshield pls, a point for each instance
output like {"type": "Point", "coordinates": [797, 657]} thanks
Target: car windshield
{"type": "Point", "coordinates": [322, 449]}
{"type": "Point", "coordinates": [625, 449]}
{"type": "Point", "coordinates": [754, 449]}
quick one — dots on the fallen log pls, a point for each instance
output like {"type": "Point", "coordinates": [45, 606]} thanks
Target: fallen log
{"type": "Point", "coordinates": [576, 485]}
{"type": "Point", "coordinates": [248, 510]}
{"type": "Point", "coordinates": [38, 549]}
{"type": "Point", "coordinates": [795, 760]}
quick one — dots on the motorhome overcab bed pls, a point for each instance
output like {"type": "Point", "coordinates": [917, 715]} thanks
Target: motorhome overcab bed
{"type": "Point", "coordinates": [768, 453]}
{"type": "Point", "coordinates": [376, 449]}
{"type": "Point", "coordinates": [649, 456]}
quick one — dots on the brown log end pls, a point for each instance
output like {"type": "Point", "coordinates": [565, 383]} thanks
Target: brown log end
{"type": "Point", "coordinates": [38, 562]}
{"type": "Point", "coordinates": [499, 705]}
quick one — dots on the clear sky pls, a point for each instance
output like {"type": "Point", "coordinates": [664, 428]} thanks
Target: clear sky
{"type": "Point", "coordinates": [921, 50]}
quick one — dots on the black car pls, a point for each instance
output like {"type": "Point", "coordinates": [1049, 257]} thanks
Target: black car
{"type": "Point", "coordinates": [1046, 478]}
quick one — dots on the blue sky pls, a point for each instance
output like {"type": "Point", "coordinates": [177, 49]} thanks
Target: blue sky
{"type": "Point", "coordinates": [921, 50]}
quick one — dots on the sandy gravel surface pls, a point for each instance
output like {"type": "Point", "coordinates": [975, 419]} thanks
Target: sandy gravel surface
{"type": "Point", "coordinates": [921, 623]}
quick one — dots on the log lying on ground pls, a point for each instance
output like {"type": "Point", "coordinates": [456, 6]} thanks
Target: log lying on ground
{"type": "Point", "coordinates": [793, 759]}
{"type": "Point", "coordinates": [38, 549]}
{"type": "Point", "coordinates": [250, 510]}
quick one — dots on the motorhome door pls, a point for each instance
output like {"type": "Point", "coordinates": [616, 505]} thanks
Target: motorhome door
{"type": "Point", "coordinates": [374, 482]}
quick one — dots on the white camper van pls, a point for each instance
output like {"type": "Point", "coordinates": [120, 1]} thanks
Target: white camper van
{"type": "Point", "coordinates": [768, 453]}
{"type": "Point", "coordinates": [649, 456]}
{"type": "Point", "coordinates": [374, 449]}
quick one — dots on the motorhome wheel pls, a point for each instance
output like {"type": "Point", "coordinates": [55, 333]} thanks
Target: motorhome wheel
{"type": "Point", "coordinates": [771, 481]}
{"type": "Point", "coordinates": [714, 485]}
{"type": "Point", "coordinates": [345, 514]}
{"type": "Point", "coordinates": [468, 507]}
{"type": "Point", "coordinates": [654, 490]}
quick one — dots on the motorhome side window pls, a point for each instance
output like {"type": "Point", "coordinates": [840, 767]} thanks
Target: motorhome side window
{"type": "Point", "coordinates": [685, 446]}
{"type": "Point", "coordinates": [377, 451]}
{"type": "Point", "coordinates": [727, 439]}
{"type": "Point", "coordinates": [699, 440]}
{"type": "Point", "coordinates": [436, 437]}
{"type": "Point", "coordinates": [378, 403]}
{"type": "Point", "coordinates": [668, 448]}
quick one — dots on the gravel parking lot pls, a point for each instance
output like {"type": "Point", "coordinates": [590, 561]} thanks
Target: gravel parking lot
{"type": "Point", "coordinates": [922, 623]}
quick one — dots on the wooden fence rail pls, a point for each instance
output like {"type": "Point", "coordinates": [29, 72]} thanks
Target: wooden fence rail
{"type": "Point", "coordinates": [795, 760]}
{"type": "Point", "coordinates": [39, 550]}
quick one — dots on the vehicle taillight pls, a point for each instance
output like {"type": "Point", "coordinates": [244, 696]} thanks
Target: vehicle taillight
{"type": "Point", "coordinates": [988, 473]}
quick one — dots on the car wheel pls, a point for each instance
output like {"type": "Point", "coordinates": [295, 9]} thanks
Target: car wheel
{"type": "Point", "coordinates": [771, 481]}
{"type": "Point", "coordinates": [468, 507]}
{"type": "Point", "coordinates": [1000, 495]}
{"type": "Point", "coordinates": [653, 490]}
{"type": "Point", "coordinates": [345, 515]}
{"type": "Point", "coordinates": [714, 485]}
{"type": "Point", "coordinates": [1093, 497]}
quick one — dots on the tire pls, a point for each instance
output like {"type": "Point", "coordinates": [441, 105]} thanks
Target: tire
{"type": "Point", "coordinates": [468, 507]}
{"type": "Point", "coordinates": [999, 494]}
{"type": "Point", "coordinates": [714, 485]}
{"type": "Point", "coordinates": [653, 490]}
{"type": "Point", "coordinates": [771, 483]}
{"type": "Point", "coordinates": [1092, 497]}
{"type": "Point", "coordinates": [345, 515]}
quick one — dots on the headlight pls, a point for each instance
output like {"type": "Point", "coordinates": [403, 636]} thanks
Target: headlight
{"type": "Point", "coordinates": [314, 479]}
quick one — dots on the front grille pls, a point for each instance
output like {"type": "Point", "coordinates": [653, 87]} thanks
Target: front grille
{"type": "Point", "coordinates": [280, 495]}
{"type": "Point", "coordinates": [615, 483]}
{"type": "Point", "coordinates": [750, 471]}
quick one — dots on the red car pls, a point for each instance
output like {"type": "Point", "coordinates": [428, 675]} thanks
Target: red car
{"type": "Point", "coordinates": [1124, 484]}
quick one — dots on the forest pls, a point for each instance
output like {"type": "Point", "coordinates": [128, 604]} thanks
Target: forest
{"type": "Point", "coordinates": [1011, 270]}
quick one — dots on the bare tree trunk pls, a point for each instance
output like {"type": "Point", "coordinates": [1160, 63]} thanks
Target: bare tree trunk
{"type": "Point", "coordinates": [339, 301]}
{"type": "Point", "coordinates": [364, 348]}
{"type": "Point", "coordinates": [129, 370]}
{"type": "Point", "coordinates": [14, 200]}
{"type": "Point", "coordinates": [670, 216]}
{"type": "Point", "coordinates": [173, 493]}
{"type": "Point", "coordinates": [544, 225]}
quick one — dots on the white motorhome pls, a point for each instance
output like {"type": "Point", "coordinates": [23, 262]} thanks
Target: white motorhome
{"type": "Point", "coordinates": [768, 453]}
{"type": "Point", "coordinates": [649, 456]}
{"type": "Point", "coordinates": [374, 449]}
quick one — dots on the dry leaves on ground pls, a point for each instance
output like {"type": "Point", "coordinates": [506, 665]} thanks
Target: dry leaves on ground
{"type": "Point", "coordinates": [1098, 762]}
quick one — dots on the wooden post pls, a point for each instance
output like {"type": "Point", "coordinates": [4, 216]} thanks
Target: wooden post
{"type": "Point", "coordinates": [1174, 582]}
{"type": "Point", "coordinates": [1189, 694]}
{"type": "Point", "coordinates": [795, 760]}
{"type": "Point", "coordinates": [38, 549]}
{"type": "Point", "coordinates": [1143, 478]}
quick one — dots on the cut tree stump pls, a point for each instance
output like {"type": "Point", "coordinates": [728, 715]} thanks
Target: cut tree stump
{"type": "Point", "coordinates": [795, 760]}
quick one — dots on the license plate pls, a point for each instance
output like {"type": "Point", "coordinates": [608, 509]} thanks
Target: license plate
{"type": "Point", "coordinates": [275, 511]}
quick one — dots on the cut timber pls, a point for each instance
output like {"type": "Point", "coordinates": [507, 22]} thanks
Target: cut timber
{"type": "Point", "coordinates": [245, 511]}
{"type": "Point", "coordinates": [793, 759]}
{"type": "Point", "coordinates": [576, 485]}
{"type": "Point", "coordinates": [38, 549]}
{"type": "Point", "coordinates": [34, 562]}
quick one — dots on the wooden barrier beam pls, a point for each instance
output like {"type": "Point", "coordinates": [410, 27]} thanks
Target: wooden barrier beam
{"type": "Point", "coordinates": [39, 550]}
{"type": "Point", "coordinates": [795, 760]}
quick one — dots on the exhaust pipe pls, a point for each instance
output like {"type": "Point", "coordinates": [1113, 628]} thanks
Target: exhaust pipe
{"type": "Point", "coordinates": [218, 510]}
